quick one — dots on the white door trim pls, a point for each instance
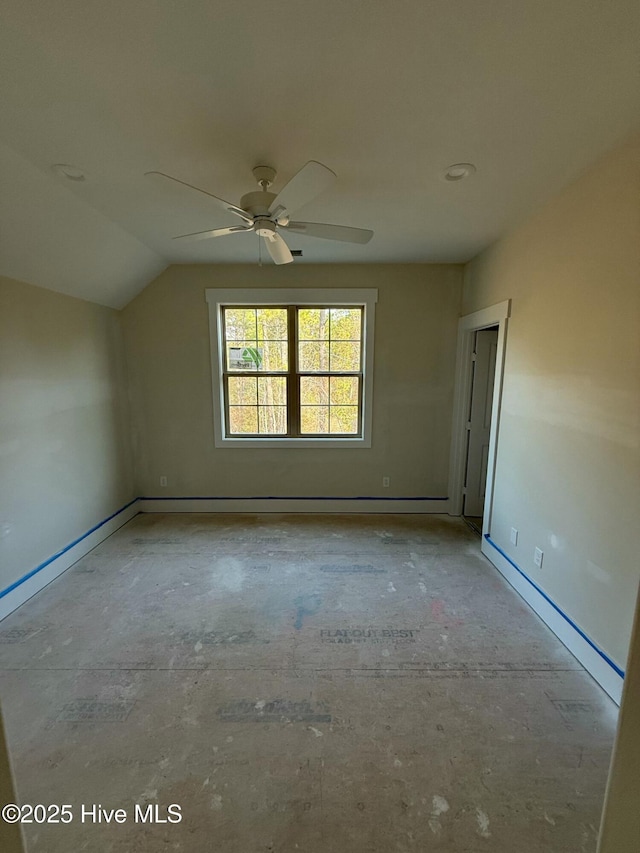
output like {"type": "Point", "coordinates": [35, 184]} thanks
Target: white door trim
{"type": "Point", "coordinates": [494, 315]}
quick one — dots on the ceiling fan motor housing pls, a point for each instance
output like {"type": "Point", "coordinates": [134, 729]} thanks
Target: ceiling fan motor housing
{"type": "Point", "coordinates": [257, 203]}
{"type": "Point", "coordinates": [264, 227]}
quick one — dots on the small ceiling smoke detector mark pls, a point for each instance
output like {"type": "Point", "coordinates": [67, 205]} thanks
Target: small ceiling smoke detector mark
{"type": "Point", "coordinates": [459, 171]}
{"type": "Point", "coordinates": [72, 173]}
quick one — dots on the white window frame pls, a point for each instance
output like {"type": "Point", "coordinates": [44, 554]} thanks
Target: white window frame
{"type": "Point", "coordinates": [217, 298]}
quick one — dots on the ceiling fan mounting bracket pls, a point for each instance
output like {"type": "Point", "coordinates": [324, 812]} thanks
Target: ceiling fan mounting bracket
{"type": "Point", "coordinates": [257, 203]}
{"type": "Point", "coordinates": [265, 176]}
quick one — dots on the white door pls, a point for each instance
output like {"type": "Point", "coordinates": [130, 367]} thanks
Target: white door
{"type": "Point", "coordinates": [479, 424]}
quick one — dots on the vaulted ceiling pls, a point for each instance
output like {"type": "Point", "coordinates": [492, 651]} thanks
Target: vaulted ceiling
{"type": "Point", "coordinates": [385, 94]}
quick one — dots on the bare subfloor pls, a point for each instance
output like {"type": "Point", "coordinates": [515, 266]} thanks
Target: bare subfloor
{"type": "Point", "coordinates": [364, 684]}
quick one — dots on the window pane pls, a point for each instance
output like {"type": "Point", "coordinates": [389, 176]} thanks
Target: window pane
{"type": "Point", "coordinates": [344, 391]}
{"type": "Point", "coordinates": [272, 324]}
{"type": "Point", "coordinates": [343, 419]}
{"type": "Point", "coordinates": [314, 419]}
{"type": "Point", "coordinates": [245, 356]}
{"type": "Point", "coordinates": [240, 324]}
{"type": "Point", "coordinates": [346, 324]}
{"type": "Point", "coordinates": [313, 324]}
{"type": "Point", "coordinates": [313, 357]}
{"type": "Point", "coordinates": [314, 390]}
{"type": "Point", "coordinates": [243, 420]}
{"type": "Point", "coordinates": [243, 391]}
{"type": "Point", "coordinates": [275, 355]}
{"type": "Point", "coordinates": [272, 420]}
{"type": "Point", "coordinates": [272, 391]}
{"type": "Point", "coordinates": [345, 356]}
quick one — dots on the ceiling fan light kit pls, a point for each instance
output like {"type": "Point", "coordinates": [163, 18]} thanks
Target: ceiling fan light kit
{"type": "Point", "coordinates": [265, 213]}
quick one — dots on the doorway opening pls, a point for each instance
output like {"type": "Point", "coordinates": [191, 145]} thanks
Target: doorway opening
{"type": "Point", "coordinates": [476, 416]}
{"type": "Point", "coordinates": [478, 427]}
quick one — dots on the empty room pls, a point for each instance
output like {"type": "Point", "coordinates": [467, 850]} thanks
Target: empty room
{"type": "Point", "coordinates": [319, 426]}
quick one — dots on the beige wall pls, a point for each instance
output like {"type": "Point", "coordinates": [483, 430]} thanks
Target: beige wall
{"type": "Point", "coordinates": [568, 472]}
{"type": "Point", "coordinates": [167, 336]}
{"type": "Point", "coordinates": [65, 460]}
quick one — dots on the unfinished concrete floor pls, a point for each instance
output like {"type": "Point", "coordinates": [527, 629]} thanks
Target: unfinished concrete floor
{"type": "Point", "coordinates": [363, 684]}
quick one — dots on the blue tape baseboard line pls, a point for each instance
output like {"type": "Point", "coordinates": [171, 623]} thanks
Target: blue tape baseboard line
{"type": "Point", "coordinates": [75, 542]}
{"type": "Point", "coordinates": [64, 550]}
{"type": "Point", "coordinates": [550, 601]}
{"type": "Point", "coordinates": [284, 498]}
{"type": "Point", "coordinates": [100, 524]}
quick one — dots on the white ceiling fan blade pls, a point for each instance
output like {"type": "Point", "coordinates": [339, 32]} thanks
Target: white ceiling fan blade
{"type": "Point", "coordinates": [330, 232]}
{"type": "Point", "coordinates": [160, 178]}
{"type": "Point", "coordinates": [304, 186]}
{"type": "Point", "coordinates": [216, 232]}
{"type": "Point", "coordinates": [278, 249]}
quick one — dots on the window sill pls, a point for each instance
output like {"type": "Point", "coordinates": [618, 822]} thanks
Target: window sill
{"type": "Point", "coordinates": [302, 443]}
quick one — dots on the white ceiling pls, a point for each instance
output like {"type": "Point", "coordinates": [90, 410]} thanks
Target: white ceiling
{"type": "Point", "coordinates": [387, 94]}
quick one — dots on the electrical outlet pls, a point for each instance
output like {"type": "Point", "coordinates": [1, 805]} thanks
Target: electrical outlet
{"type": "Point", "coordinates": [163, 481]}
{"type": "Point", "coordinates": [514, 536]}
{"type": "Point", "coordinates": [537, 557]}
{"type": "Point", "coordinates": [385, 482]}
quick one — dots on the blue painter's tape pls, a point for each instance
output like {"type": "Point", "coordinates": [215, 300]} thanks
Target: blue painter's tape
{"type": "Point", "coordinates": [283, 498]}
{"type": "Point", "coordinates": [550, 601]}
{"type": "Point", "coordinates": [63, 550]}
{"type": "Point", "coordinates": [75, 542]}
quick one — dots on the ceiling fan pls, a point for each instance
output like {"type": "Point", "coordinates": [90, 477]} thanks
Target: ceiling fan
{"type": "Point", "coordinates": [266, 213]}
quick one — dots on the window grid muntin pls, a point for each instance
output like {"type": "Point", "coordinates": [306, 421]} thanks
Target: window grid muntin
{"type": "Point", "coordinates": [329, 406]}
{"type": "Point", "coordinates": [228, 342]}
{"type": "Point", "coordinates": [254, 374]}
{"type": "Point", "coordinates": [293, 404]}
{"type": "Point", "coordinates": [329, 340]}
{"type": "Point", "coordinates": [257, 407]}
{"type": "Point", "coordinates": [329, 373]}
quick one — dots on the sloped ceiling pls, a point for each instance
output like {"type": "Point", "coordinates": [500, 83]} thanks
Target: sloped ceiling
{"type": "Point", "coordinates": [386, 94]}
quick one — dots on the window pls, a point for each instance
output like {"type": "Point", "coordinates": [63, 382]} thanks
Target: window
{"type": "Point", "coordinates": [292, 366]}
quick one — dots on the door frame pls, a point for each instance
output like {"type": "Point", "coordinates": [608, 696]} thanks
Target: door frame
{"type": "Point", "coordinates": [495, 315]}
